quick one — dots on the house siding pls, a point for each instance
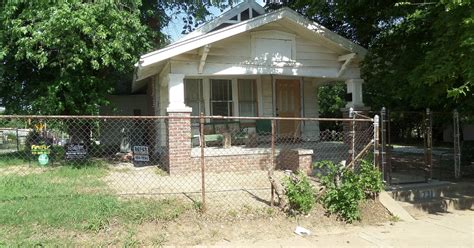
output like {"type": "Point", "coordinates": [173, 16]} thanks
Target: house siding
{"type": "Point", "coordinates": [310, 129]}
{"type": "Point", "coordinates": [267, 96]}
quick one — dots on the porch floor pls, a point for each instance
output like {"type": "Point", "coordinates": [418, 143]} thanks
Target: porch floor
{"type": "Point", "coordinates": [326, 150]}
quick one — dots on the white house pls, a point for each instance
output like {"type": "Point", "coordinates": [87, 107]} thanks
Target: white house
{"type": "Point", "coordinates": [248, 62]}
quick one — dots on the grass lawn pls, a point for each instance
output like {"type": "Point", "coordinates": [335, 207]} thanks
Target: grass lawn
{"type": "Point", "coordinates": [54, 207]}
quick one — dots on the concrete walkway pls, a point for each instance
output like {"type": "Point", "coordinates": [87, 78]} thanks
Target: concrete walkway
{"type": "Point", "coordinates": [455, 229]}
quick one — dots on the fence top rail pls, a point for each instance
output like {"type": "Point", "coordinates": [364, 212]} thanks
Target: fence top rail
{"type": "Point", "coordinates": [216, 117]}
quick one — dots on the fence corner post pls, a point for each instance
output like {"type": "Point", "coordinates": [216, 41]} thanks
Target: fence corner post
{"type": "Point", "coordinates": [383, 144]}
{"type": "Point", "coordinates": [457, 145]}
{"type": "Point", "coordinates": [202, 143]}
{"type": "Point", "coordinates": [352, 134]}
{"type": "Point", "coordinates": [272, 162]}
{"type": "Point", "coordinates": [428, 145]}
{"type": "Point", "coordinates": [376, 141]}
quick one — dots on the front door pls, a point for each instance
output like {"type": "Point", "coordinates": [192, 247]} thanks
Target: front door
{"type": "Point", "coordinates": [288, 104]}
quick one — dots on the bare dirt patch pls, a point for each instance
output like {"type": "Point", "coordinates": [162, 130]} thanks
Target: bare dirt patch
{"type": "Point", "coordinates": [251, 225]}
{"type": "Point", "coordinates": [228, 190]}
{"type": "Point", "coordinates": [23, 170]}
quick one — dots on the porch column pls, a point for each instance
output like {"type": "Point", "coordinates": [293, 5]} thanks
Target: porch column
{"type": "Point", "coordinates": [178, 130]}
{"type": "Point", "coordinates": [176, 93]}
{"type": "Point", "coordinates": [354, 88]}
{"type": "Point", "coordinates": [355, 101]}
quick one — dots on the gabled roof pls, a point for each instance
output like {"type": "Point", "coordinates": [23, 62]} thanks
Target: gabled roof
{"type": "Point", "coordinates": [229, 17]}
{"type": "Point", "coordinates": [191, 43]}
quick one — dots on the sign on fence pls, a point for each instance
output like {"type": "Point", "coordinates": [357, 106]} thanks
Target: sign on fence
{"type": "Point", "coordinates": [76, 151]}
{"type": "Point", "coordinates": [140, 154]}
{"type": "Point", "coordinates": [40, 149]}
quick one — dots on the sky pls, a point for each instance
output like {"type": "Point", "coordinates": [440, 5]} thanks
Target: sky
{"type": "Point", "coordinates": [175, 26]}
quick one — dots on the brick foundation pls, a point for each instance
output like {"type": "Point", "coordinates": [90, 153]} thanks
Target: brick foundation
{"type": "Point", "coordinates": [180, 161]}
{"type": "Point", "coordinates": [295, 160]}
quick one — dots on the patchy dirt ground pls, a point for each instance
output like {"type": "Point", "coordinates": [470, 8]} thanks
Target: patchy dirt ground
{"type": "Point", "coordinates": [238, 209]}
{"type": "Point", "coordinates": [229, 190]}
{"type": "Point", "coordinates": [23, 170]}
{"type": "Point", "coordinates": [217, 228]}
{"type": "Point", "coordinates": [253, 225]}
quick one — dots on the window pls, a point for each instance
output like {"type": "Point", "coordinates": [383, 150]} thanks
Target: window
{"type": "Point", "coordinates": [193, 95]}
{"type": "Point", "coordinates": [221, 97]}
{"type": "Point", "coordinates": [247, 97]}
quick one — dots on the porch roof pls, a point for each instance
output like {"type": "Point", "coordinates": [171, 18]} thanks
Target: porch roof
{"type": "Point", "coordinates": [152, 63]}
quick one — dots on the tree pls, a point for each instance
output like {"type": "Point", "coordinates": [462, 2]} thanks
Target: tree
{"type": "Point", "coordinates": [331, 100]}
{"type": "Point", "coordinates": [426, 60]}
{"type": "Point", "coordinates": [420, 53]}
{"type": "Point", "coordinates": [64, 58]}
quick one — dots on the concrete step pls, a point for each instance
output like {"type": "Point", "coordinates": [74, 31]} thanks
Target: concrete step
{"type": "Point", "coordinates": [438, 205]}
{"type": "Point", "coordinates": [432, 190]}
{"type": "Point", "coordinates": [434, 197]}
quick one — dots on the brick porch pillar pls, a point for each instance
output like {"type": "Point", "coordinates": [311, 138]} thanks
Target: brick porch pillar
{"type": "Point", "coordinates": [178, 133]}
{"type": "Point", "coordinates": [178, 129]}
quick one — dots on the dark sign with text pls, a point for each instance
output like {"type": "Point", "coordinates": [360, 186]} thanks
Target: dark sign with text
{"type": "Point", "coordinates": [140, 154]}
{"type": "Point", "coordinates": [76, 151]}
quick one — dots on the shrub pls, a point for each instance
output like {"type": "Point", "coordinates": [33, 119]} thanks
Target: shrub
{"type": "Point", "coordinates": [344, 189]}
{"type": "Point", "coordinates": [300, 193]}
{"type": "Point", "coordinates": [370, 179]}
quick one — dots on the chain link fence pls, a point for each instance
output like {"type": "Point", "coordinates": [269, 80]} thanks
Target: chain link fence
{"type": "Point", "coordinates": [419, 146]}
{"type": "Point", "coordinates": [214, 161]}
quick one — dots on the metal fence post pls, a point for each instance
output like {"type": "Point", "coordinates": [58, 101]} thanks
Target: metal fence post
{"type": "Point", "coordinates": [376, 141]}
{"type": "Point", "coordinates": [383, 153]}
{"type": "Point", "coordinates": [202, 143]}
{"type": "Point", "coordinates": [17, 140]}
{"type": "Point", "coordinates": [457, 146]}
{"type": "Point", "coordinates": [272, 162]}
{"type": "Point", "coordinates": [352, 134]}
{"type": "Point", "coordinates": [428, 146]}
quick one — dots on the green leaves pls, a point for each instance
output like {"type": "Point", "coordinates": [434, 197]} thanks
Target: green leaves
{"type": "Point", "coordinates": [300, 193]}
{"type": "Point", "coordinates": [429, 53]}
{"type": "Point", "coordinates": [345, 189]}
{"type": "Point", "coordinates": [67, 56]}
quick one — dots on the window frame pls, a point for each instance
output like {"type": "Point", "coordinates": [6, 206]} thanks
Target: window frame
{"type": "Point", "coordinates": [201, 101]}
{"type": "Point", "coordinates": [230, 101]}
{"type": "Point", "coordinates": [254, 100]}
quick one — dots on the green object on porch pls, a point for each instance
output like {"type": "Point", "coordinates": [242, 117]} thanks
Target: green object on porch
{"type": "Point", "coordinates": [213, 137]}
{"type": "Point", "coordinates": [263, 127]}
{"type": "Point", "coordinates": [214, 132]}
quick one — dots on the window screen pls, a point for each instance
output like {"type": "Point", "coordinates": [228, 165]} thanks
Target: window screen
{"type": "Point", "coordinates": [247, 97]}
{"type": "Point", "coordinates": [221, 97]}
{"type": "Point", "coordinates": [193, 95]}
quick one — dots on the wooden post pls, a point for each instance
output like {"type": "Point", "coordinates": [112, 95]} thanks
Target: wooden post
{"type": "Point", "coordinates": [203, 168]}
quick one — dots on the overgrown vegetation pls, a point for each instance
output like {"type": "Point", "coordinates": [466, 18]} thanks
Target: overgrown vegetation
{"type": "Point", "coordinates": [345, 189]}
{"type": "Point", "coordinates": [300, 193]}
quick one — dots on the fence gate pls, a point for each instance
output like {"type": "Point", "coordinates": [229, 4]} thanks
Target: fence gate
{"type": "Point", "coordinates": [406, 146]}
